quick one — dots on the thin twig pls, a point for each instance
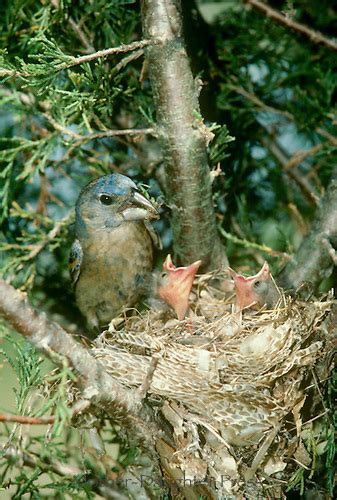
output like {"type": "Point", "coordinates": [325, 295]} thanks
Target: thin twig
{"type": "Point", "coordinates": [250, 244]}
{"type": "Point", "coordinates": [74, 61]}
{"type": "Point", "coordinates": [325, 412]}
{"type": "Point", "coordinates": [108, 133]}
{"type": "Point", "coordinates": [271, 109]}
{"type": "Point", "coordinates": [314, 36]}
{"type": "Point", "coordinates": [30, 100]}
{"type": "Point", "coordinates": [301, 155]}
{"type": "Point", "coordinates": [78, 407]}
{"type": "Point", "coordinates": [89, 48]}
{"type": "Point", "coordinates": [257, 101]}
{"type": "Point", "coordinates": [114, 133]}
{"type": "Point", "coordinates": [132, 57]}
{"type": "Point", "coordinates": [286, 164]}
{"type": "Point", "coordinates": [75, 27]}
{"type": "Point", "coordinates": [289, 164]}
{"type": "Point", "coordinates": [49, 237]}
{"type": "Point", "coordinates": [327, 135]}
{"type": "Point", "coordinates": [60, 128]}
{"type": "Point", "coordinates": [21, 419]}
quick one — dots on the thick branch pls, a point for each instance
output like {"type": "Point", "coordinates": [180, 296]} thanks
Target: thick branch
{"type": "Point", "coordinates": [314, 36]}
{"type": "Point", "coordinates": [183, 135]}
{"type": "Point", "coordinates": [96, 385]}
{"type": "Point", "coordinates": [315, 258]}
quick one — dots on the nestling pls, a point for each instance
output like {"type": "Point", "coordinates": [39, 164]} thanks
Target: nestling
{"type": "Point", "coordinates": [175, 286]}
{"type": "Point", "coordinates": [257, 290]}
{"type": "Point", "coordinates": [112, 257]}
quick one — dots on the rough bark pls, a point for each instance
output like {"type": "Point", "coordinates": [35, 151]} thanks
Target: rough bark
{"type": "Point", "coordinates": [316, 256]}
{"type": "Point", "coordinates": [183, 135]}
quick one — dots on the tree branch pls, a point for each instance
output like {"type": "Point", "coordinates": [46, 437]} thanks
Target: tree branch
{"type": "Point", "coordinates": [314, 36]}
{"type": "Point", "coordinates": [314, 260]}
{"type": "Point", "coordinates": [183, 135]}
{"type": "Point", "coordinates": [97, 386]}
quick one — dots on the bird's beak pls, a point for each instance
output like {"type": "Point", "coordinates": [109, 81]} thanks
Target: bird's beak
{"type": "Point", "coordinates": [176, 288]}
{"type": "Point", "coordinates": [137, 207]}
{"type": "Point", "coordinates": [244, 287]}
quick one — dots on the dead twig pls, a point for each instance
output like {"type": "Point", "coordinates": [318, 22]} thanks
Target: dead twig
{"type": "Point", "coordinates": [21, 419]}
{"type": "Point", "coordinates": [78, 407]}
{"type": "Point", "coordinates": [275, 15]}
{"type": "Point", "coordinates": [76, 28]}
{"type": "Point", "coordinates": [288, 167]}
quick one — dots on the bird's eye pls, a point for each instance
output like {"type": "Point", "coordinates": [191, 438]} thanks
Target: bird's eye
{"type": "Point", "coordinates": [105, 199]}
{"type": "Point", "coordinates": [257, 284]}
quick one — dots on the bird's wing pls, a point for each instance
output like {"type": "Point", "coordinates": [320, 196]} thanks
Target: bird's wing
{"type": "Point", "coordinates": [75, 261]}
{"type": "Point", "coordinates": [154, 235]}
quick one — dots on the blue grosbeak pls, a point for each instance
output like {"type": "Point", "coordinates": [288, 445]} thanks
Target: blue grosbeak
{"type": "Point", "coordinates": [111, 259]}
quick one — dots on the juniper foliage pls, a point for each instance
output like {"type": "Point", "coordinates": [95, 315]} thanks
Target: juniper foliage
{"type": "Point", "coordinates": [268, 94]}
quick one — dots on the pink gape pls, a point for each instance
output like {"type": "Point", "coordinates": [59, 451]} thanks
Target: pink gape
{"type": "Point", "coordinates": [177, 284]}
{"type": "Point", "coordinates": [255, 290]}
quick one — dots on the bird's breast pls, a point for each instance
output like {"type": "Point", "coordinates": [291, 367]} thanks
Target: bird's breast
{"type": "Point", "coordinates": [116, 264]}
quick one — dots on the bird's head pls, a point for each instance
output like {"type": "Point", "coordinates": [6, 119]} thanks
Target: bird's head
{"type": "Point", "coordinates": [176, 285]}
{"type": "Point", "coordinates": [109, 201]}
{"type": "Point", "coordinates": [254, 290]}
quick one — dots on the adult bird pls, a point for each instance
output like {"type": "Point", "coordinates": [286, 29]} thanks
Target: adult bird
{"type": "Point", "coordinates": [112, 257]}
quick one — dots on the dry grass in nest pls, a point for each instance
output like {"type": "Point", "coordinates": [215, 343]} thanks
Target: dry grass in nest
{"type": "Point", "coordinates": [233, 386]}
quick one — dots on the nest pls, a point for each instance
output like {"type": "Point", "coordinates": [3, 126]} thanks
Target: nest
{"type": "Point", "coordinates": [226, 382]}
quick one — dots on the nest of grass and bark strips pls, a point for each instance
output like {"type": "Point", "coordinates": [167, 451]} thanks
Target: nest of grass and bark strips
{"type": "Point", "coordinates": [241, 391]}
